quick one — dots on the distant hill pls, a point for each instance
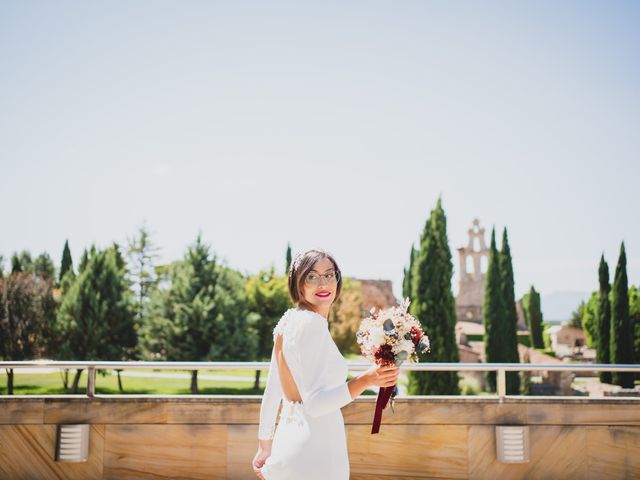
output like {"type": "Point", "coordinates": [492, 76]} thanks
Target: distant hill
{"type": "Point", "coordinates": [558, 306]}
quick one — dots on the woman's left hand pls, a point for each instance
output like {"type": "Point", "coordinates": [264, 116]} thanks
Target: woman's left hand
{"type": "Point", "coordinates": [258, 461]}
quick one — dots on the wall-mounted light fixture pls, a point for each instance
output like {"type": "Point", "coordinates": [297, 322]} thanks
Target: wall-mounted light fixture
{"type": "Point", "coordinates": [512, 444]}
{"type": "Point", "coordinates": [72, 444]}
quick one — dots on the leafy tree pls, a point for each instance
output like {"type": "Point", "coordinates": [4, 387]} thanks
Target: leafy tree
{"type": "Point", "coordinates": [621, 344]}
{"type": "Point", "coordinates": [96, 314]}
{"type": "Point", "coordinates": [433, 305]}
{"type": "Point", "coordinates": [200, 316]}
{"type": "Point", "coordinates": [27, 309]}
{"type": "Point", "coordinates": [66, 264]}
{"type": "Point", "coordinates": [576, 316]}
{"type": "Point", "coordinates": [534, 317]}
{"type": "Point", "coordinates": [590, 319]}
{"type": "Point", "coordinates": [603, 320]}
{"type": "Point", "coordinates": [345, 315]}
{"type": "Point", "coordinates": [267, 298]}
{"type": "Point", "coordinates": [510, 347]}
{"type": "Point", "coordinates": [1, 266]}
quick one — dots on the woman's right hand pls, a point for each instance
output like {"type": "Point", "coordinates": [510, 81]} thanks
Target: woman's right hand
{"type": "Point", "coordinates": [383, 376]}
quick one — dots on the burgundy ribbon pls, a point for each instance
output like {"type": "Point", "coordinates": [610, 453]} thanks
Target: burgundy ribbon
{"type": "Point", "coordinates": [384, 394]}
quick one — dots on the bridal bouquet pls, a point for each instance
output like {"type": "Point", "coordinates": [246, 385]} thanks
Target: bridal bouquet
{"type": "Point", "coordinates": [390, 337]}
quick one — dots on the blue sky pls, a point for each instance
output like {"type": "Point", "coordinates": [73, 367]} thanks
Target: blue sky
{"type": "Point", "coordinates": [334, 124]}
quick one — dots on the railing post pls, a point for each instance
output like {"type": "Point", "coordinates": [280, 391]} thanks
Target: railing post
{"type": "Point", "coordinates": [91, 382]}
{"type": "Point", "coordinates": [502, 384]}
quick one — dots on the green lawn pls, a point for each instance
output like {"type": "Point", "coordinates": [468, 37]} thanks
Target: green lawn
{"type": "Point", "coordinates": [51, 383]}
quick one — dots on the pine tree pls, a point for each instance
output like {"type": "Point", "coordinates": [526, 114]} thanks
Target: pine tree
{"type": "Point", "coordinates": [142, 253]}
{"type": "Point", "coordinates": [43, 266]}
{"type": "Point", "coordinates": [22, 262]}
{"type": "Point", "coordinates": [433, 305]}
{"type": "Point", "coordinates": [493, 313]}
{"type": "Point", "coordinates": [621, 347]}
{"type": "Point", "coordinates": [96, 315]}
{"type": "Point", "coordinates": [201, 316]}
{"type": "Point", "coordinates": [603, 320]}
{"type": "Point", "coordinates": [288, 259]}
{"type": "Point", "coordinates": [534, 318]}
{"type": "Point", "coordinates": [87, 254]}
{"type": "Point", "coordinates": [511, 317]}
{"type": "Point", "coordinates": [408, 274]}
{"type": "Point", "coordinates": [67, 262]}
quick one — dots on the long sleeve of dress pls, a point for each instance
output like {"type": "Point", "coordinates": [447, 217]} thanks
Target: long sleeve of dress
{"type": "Point", "coordinates": [307, 355]}
{"type": "Point", "coordinates": [270, 401]}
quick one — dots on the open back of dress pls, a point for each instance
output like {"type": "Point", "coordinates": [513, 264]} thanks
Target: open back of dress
{"type": "Point", "coordinates": [289, 387]}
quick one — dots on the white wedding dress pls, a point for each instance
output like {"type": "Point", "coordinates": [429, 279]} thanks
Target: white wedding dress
{"type": "Point", "coordinates": [310, 441]}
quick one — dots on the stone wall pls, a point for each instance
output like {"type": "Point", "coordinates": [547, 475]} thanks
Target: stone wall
{"type": "Point", "coordinates": [215, 437]}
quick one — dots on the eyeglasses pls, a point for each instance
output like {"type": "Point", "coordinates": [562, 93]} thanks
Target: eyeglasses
{"type": "Point", "coordinates": [313, 279]}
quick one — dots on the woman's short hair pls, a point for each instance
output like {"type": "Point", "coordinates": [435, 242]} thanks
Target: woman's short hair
{"type": "Point", "coordinates": [301, 265]}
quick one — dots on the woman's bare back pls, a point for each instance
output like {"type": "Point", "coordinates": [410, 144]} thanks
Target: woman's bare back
{"type": "Point", "coordinates": [289, 388]}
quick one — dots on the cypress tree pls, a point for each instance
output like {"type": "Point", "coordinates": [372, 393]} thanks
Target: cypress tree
{"type": "Point", "coordinates": [408, 273]}
{"type": "Point", "coordinates": [510, 315]}
{"type": "Point", "coordinates": [493, 312]}
{"type": "Point", "coordinates": [67, 263]}
{"type": "Point", "coordinates": [433, 305]}
{"type": "Point", "coordinates": [621, 347]}
{"type": "Point", "coordinates": [288, 259]}
{"type": "Point", "coordinates": [534, 318]}
{"type": "Point", "coordinates": [603, 320]}
{"type": "Point", "coordinates": [634, 315]}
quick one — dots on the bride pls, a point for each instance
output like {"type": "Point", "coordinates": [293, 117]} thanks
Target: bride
{"type": "Point", "coordinates": [307, 375]}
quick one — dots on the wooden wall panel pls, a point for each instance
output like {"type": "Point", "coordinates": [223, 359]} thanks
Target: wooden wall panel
{"type": "Point", "coordinates": [160, 451]}
{"type": "Point", "coordinates": [14, 411]}
{"type": "Point", "coordinates": [555, 452]}
{"type": "Point", "coordinates": [424, 451]}
{"type": "Point", "coordinates": [613, 452]}
{"type": "Point", "coordinates": [242, 445]}
{"type": "Point", "coordinates": [28, 452]}
{"type": "Point", "coordinates": [151, 410]}
{"type": "Point", "coordinates": [196, 437]}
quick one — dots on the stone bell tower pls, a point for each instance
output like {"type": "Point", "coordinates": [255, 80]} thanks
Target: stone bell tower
{"type": "Point", "coordinates": [473, 263]}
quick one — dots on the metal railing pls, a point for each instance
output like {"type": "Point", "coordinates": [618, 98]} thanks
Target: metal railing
{"type": "Point", "coordinates": [500, 368]}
